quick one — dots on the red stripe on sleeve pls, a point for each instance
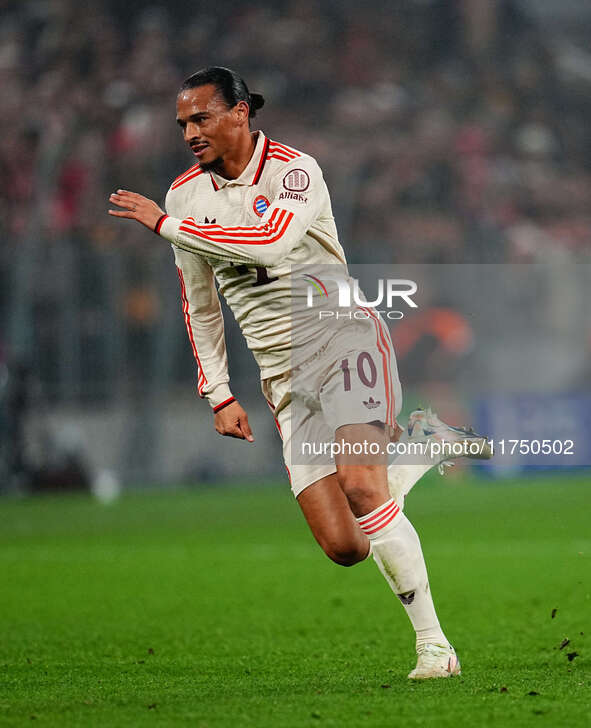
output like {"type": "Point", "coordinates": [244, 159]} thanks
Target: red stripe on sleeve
{"type": "Point", "coordinates": [159, 224]}
{"type": "Point", "coordinates": [201, 378]}
{"type": "Point", "coordinates": [223, 404]}
{"type": "Point", "coordinates": [270, 232]}
{"type": "Point", "coordinates": [186, 178]}
{"type": "Point", "coordinates": [284, 149]}
{"type": "Point", "coordinates": [186, 173]}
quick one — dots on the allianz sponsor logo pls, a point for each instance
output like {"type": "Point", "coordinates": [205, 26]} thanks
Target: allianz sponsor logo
{"type": "Point", "coordinates": [297, 196]}
{"type": "Point", "coordinates": [352, 301]}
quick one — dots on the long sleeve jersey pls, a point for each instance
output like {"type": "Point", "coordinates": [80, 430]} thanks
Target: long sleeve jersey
{"type": "Point", "coordinates": [248, 233]}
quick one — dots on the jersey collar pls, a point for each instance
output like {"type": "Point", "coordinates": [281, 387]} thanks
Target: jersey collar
{"type": "Point", "coordinates": [253, 170]}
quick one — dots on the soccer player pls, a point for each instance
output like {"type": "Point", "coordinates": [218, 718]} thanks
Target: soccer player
{"type": "Point", "coordinates": [248, 212]}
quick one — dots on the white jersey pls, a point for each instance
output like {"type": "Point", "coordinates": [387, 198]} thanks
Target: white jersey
{"type": "Point", "coordinates": [248, 233]}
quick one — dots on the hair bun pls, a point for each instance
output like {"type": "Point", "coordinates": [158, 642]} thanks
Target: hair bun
{"type": "Point", "coordinates": [256, 102]}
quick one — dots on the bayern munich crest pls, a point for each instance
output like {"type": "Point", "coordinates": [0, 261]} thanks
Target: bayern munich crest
{"type": "Point", "coordinates": [260, 205]}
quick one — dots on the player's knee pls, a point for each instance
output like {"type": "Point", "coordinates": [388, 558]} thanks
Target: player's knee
{"type": "Point", "coordinates": [358, 483]}
{"type": "Point", "coordinates": [346, 554]}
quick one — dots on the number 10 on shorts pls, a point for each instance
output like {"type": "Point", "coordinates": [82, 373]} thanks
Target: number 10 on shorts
{"type": "Point", "coordinates": [366, 371]}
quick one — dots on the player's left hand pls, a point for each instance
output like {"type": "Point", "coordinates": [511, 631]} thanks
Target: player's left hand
{"type": "Point", "coordinates": [136, 207]}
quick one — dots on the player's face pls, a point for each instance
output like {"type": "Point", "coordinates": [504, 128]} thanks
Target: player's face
{"type": "Point", "coordinates": [210, 128]}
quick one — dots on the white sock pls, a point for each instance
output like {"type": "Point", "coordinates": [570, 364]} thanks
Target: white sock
{"type": "Point", "coordinates": [407, 469]}
{"type": "Point", "coordinates": [402, 477]}
{"type": "Point", "coordinates": [397, 551]}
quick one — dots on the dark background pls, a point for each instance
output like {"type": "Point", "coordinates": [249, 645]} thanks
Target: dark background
{"type": "Point", "coordinates": [449, 133]}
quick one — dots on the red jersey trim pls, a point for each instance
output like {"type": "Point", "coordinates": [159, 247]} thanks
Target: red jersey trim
{"type": "Point", "coordinates": [185, 173]}
{"type": "Point", "coordinates": [281, 159]}
{"type": "Point", "coordinates": [161, 219]}
{"type": "Point", "coordinates": [201, 378]}
{"type": "Point", "coordinates": [283, 149]}
{"type": "Point", "coordinates": [191, 173]}
{"type": "Point", "coordinates": [281, 152]}
{"type": "Point", "coordinates": [223, 404]}
{"type": "Point", "coordinates": [386, 352]}
{"type": "Point", "coordinates": [269, 232]}
{"type": "Point", "coordinates": [262, 161]}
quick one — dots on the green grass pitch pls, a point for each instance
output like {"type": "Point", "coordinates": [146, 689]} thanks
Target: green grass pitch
{"type": "Point", "coordinates": [214, 608]}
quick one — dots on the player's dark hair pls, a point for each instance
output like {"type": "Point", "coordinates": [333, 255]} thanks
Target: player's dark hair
{"type": "Point", "coordinates": [229, 84]}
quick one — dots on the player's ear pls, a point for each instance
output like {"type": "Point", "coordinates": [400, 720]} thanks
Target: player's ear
{"type": "Point", "coordinates": [241, 110]}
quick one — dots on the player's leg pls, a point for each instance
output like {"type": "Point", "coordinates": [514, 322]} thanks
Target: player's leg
{"type": "Point", "coordinates": [313, 480]}
{"type": "Point", "coordinates": [425, 443]}
{"type": "Point", "coordinates": [364, 388]}
{"type": "Point", "coordinates": [395, 545]}
{"type": "Point", "coordinates": [363, 485]}
{"type": "Point", "coordinates": [333, 525]}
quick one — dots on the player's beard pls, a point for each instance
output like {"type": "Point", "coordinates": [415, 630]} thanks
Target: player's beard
{"type": "Point", "coordinates": [214, 166]}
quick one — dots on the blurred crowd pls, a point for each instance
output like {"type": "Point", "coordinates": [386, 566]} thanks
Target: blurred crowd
{"type": "Point", "coordinates": [448, 130]}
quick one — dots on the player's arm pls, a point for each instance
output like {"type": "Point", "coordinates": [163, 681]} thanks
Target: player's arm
{"type": "Point", "coordinates": [205, 327]}
{"type": "Point", "coordinates": [289, 215]}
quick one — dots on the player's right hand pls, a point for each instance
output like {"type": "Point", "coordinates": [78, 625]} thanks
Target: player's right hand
{"type": "Point", "coordinates": [233, 422]}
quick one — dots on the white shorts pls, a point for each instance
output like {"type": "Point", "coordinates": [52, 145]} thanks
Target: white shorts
{"type": "Point", "coordinates": [337, 386]}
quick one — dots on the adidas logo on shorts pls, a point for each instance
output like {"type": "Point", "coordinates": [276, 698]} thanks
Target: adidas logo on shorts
{"type": "Point", "coordinates": [371, 403]}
